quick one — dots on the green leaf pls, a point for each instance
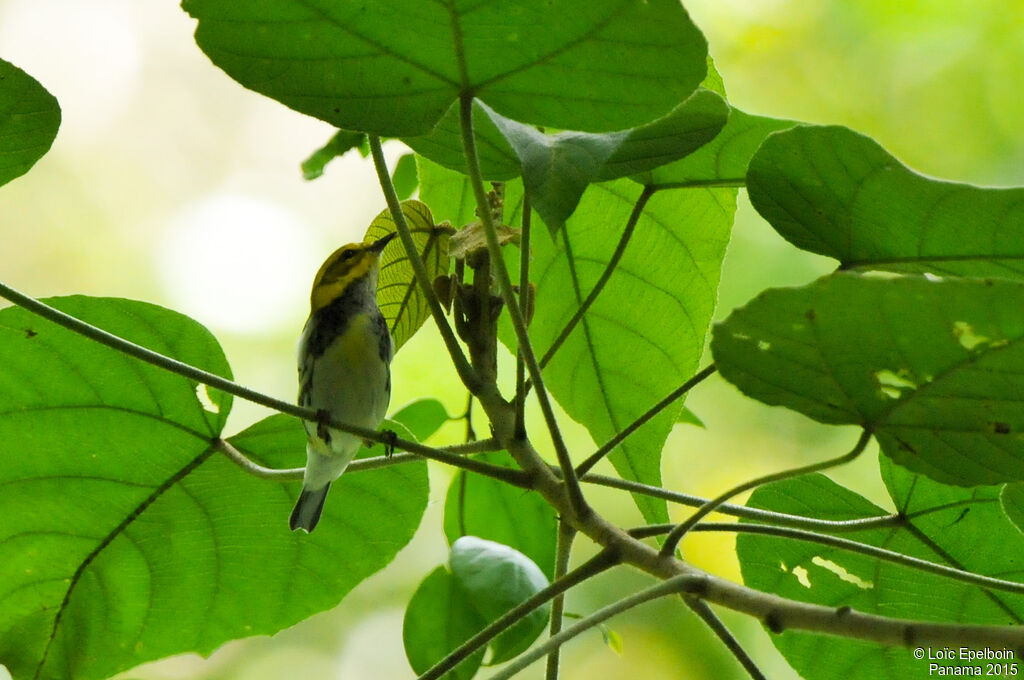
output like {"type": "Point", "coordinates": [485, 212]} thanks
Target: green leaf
{"type": "Point", "coordinates": [404, 177]}
{"type": "Point", "coordinates": [423, 417]}
{"type": "Point", "coordinates": [393, 68]}
{"type": "Point", "coordinates": [497, 578]}
{"type": "Point", "coordinates": [725, 158]}
{"type": "Point", "coordinates": [943, 524]}
{"type": "Point", "coordinates": [126, 537]}
{"type": "Point", "coordinates": [689, 417]}
{"type": "Point", "coordinates": [448, 193]}
{"type": "Point", "coordinates": [1012, 500]}
{"type": "Point", "coordinates": [933, 368]}
{"type": "Point", "coordinates": [836, 192]}
{"type": "Point", "coordinates": [492, 510]}
{"type": "Point", "coordinates": [645, 332]}
{"type": "Point", "coordinates": [400, 299]}
{"type": "Point", "coordinates": [342, 142]}
{"type": "Point", "coordinates": [558, 168]}
{"type": "Point", "coordinates": [438, 619]}
{"type": "Point", "coordinates": [29, 119]}
{"type": "Point", "coordinates": [498, 162]}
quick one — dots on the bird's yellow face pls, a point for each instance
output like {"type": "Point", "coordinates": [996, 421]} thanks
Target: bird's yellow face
{"type": "Point", "coordinates": [345, 265]}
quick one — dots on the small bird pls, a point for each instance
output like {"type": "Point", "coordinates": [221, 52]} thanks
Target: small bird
{"type": "Point", "coordinates": [344, 368]}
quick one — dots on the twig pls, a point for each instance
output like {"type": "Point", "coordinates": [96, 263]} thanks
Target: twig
{"type": "Point", "coordinates": [609, 269]}
{"type": "Point", "coordinates": [524, 292]}
{"type": "Point", "coordinates": [670, 587]}
{"type": "Point", "coordinates": [674, 536]}
{"type": "Point", "coordinates": [566, 534]}
{"type": "Point", "coordinates": [701, 609]}
{"type": "Point", "coordinates": [610, 445]}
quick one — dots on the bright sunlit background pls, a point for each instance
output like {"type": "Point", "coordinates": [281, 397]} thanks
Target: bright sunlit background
{"type": "Point", "coordinates": [170, 183]}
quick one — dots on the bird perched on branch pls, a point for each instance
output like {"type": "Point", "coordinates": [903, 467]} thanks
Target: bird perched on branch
{"type": "Point", "coordinates": [344, 368]}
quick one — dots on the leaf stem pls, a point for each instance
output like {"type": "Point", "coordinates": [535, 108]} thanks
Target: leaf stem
{"type": "Point", "coordinates": [777, 518]}
{"type": "Point", "coordinates": [563, 551]}
{"type": "Point", "coordinates": [577, 503]}
{"type": "Point", "coordinates": [701, 609]}
{"type": "Point", "coordinates": [610, 445]}
{"type": "Point", "coordinates": [613, 263]}
{"type": "Point", "coordinates": [524, 292]}
{"type": "Point", "coordinates": [674, 536]}
{"type": "Point", "coordinates": [908, 561]}
{"type": "Point", "coordinates": [469, 377]}
{"type": "Point", "coordinates": [592, 567]}
{"type": "Point", "coordinates": [671, 586]}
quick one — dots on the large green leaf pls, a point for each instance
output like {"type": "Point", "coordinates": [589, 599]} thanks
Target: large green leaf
{"type": "Point", "coordinates": [952, 526]}
{"type": "Point", "coordinates": [558, 168]}
{"type": "Point", "coordinates": [394, 67]}
{"type": "Point", "coordinates": [125, 536]}
{"type": "Point", "coordinates": [29, 118]}
{"type": "Point", "coordinates": [401, 301]}
{"type": "Point", "coordinates": [934, 368]}
{"type": "Point", "coordinates": [490, 509]}
{"type": "Point", "coordinates": [833, 191]}
{"type": "Point", "coordinates": [724, 158]}
{"type": "Point", "coordinates": [444, 145]}
{"type": "Point", "coordinates": [645, 332]}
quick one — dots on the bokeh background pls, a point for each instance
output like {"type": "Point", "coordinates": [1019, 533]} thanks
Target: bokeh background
{"type": "Point", "coordinates": [170, 183]}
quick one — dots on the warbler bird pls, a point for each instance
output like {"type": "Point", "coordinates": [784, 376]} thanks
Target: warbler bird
{"type": "Point", "coordinates": [344, 368]}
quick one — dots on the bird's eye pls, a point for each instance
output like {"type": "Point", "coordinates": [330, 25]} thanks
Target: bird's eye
{"type": "Point", "coordinates": [347, 255]}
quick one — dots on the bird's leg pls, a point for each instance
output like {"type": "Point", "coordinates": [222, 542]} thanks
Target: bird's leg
{"type": "Point", "coordinates": [322, 418]}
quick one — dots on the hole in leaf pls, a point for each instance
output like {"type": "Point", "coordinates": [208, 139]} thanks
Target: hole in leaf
{"type": "Point", "coordinates": [893, 384]}
{"type": "Point", "coordinates": [764, 345]}
{"type": "Point", "coordinates": [966, 336]}
{"type": "Point", "coordinates": [801, 576]}
{"type": "Point", "coordinates": [203, 395]}
{"type": "Point", "coordinates": [842, 573]}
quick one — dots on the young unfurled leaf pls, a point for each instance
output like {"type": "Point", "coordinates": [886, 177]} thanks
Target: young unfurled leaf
{"type": "Point", "coordinates": [368, 66]}
{"type": "Point", "coordinates": [934, 368]}
{"type": "Point", "coordinates": [399, 296]}
{"type": "Point", "coordinates": [834, 191]}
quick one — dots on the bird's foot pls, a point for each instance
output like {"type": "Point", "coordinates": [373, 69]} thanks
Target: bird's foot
{"type": "Point", "coordinates": [322, 418]}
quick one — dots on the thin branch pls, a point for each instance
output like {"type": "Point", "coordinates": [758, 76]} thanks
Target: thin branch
{"type": "Point", "coordinates": [613, 263]}
{"type": "Point", "coordinates": [610, 445]}
{"type": "Point", "coordinates": [723, 183]}
{"type": "Point", "coordinates": [363, 464]}
{"type": "Point", "coordinates": [592, 567]}
{"type": "Point", "coordinates": [465, 371]}
{"type": "Point", "coordinates": [524, 293]}
{"type": "Point", "coordinates": [563, 551]}
{"type": "Point", "coordinates": [901, 559]}
{"type": "Point", "coordinates": [673, 538]}
{"type": "Point", "coordinates": [577, 503]}
{"type": "Point", "coordinates": [701, 609]}
{"type": "Point", "coordinates": [672, 586]}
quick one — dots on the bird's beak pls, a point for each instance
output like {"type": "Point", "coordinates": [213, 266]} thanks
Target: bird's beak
{"type": "Point", "coordinates": [379, 244]}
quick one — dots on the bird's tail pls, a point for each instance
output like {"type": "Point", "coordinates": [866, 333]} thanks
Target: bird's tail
{"type": "Point", "coordinates": [308, 508]}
